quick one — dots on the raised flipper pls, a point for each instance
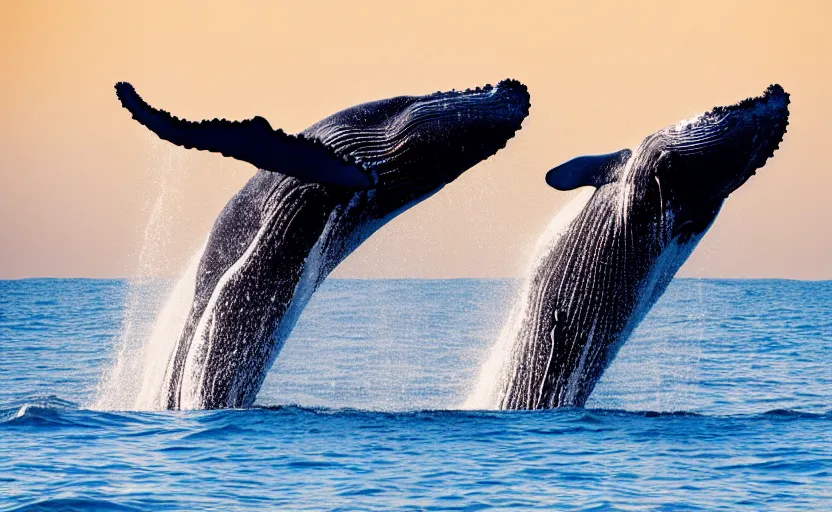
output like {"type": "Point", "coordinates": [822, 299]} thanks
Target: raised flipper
{"type": "Point", "coordinates": [253, 141]}
{"type": "Point", "coordinates": [594, 171]}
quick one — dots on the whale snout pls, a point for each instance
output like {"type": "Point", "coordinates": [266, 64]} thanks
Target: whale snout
{"type": "Point", "coordinates": [762, 127]}
{"type": "Point", "coordinates": [493, 113]}
{"type": "Point", "coordinates": [774, 101]}
{"type": "Point", "coordinates": [473, 125]}
{"type": "Point", "coordinates": [762, 120]}
{"type": "Point", "coordinates": [713, 154]}
{"type": "Point", "coordinates": [517, 101]}
{"type": "Point", "coordinates": [771, 112]}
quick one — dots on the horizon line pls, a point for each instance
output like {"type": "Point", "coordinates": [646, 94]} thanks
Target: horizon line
{"type": "Point", "coordinates": [507, 278]}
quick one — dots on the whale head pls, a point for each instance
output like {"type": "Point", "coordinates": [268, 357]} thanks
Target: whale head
{"type": "Point", "coordinates": [413, 145]}
{"type": "Point", "coordinates": [687, 170]}
{"type": "Point", "coordinates": [700, 161]}
{"type": "Point", "coordinates": [417, 143]}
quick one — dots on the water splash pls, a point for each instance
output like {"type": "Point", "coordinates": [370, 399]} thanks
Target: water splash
{"type": "Point", "coordinates": [145, 345]}
{"type": "Point", "coordinates": [493, 375]}
{"type": "Point", "coordinates": [158, 349]}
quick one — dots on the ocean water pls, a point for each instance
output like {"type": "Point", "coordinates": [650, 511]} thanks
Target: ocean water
{"type": "Point", "coordinates": [719, 401]}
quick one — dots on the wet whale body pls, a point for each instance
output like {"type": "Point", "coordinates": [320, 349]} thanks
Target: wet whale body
{"type": "Point", "coordinates": [316, 197]}
{"type": "Point", "coordinates": [602, 270]}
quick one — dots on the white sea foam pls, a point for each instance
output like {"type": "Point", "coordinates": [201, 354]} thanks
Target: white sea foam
{"type": "Point", "coordinates": [134, 381]}
{"type": "Point", "coordinates": [157, 350]}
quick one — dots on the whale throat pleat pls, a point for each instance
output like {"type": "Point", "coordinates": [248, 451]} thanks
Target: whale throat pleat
{"type": "Point", "coordinates": [220, 360]}
{"type": "Point", "coordinates": [583, 297]}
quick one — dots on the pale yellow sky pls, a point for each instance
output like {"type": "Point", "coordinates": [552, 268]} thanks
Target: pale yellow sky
{"type": "Point", "coordinates": [81, 182]}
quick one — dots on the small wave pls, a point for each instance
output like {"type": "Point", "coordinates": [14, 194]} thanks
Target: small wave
{"type": "Point", "coordinates": [33, 415]}
{"type": "Point", "coordinates": [580, 415]}
{"type": "Point", "coordinates": [784, 413]}
{"type": "Point", "coordinates": [72, 505]}
{"type": "Point", "coordinates": [51, 411]}
{"type": "Point", "coordinates": [215, 432]}
{"type": "Point", "coordinates": [671, 414]}
{"type": "Point", "coordinates": [43, 410]}
{"type": "Point", "coordinates": [42, 401]}
{"type": "Point", "coordinates": [417, 414]}
{"type": "Point", "coordinates": [790, 413]}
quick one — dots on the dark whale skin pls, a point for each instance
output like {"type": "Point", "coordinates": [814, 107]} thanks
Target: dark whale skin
{"type": "Point", "coordinates": [280, 236]}
{"type": "Point", "coordinates": [593, 285]}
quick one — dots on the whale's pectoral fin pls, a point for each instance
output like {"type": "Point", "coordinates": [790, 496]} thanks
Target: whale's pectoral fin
{"type": "Point", "coordinates": [253, 141]}
{"type": "Point", "coordinates": [594, 171]}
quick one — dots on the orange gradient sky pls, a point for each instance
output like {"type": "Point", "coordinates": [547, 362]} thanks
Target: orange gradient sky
{"type": "Point", "coordinates": [86, 191]}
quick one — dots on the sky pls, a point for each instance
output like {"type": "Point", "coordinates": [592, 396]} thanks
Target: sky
{"type": "Point", "coordinates": [85, 191]}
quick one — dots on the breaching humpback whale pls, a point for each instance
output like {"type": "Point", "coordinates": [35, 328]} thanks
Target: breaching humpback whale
{"type": "Point", "coordinates": [316, 197]}
{"type": "Point", "coordinates": [597, 276]}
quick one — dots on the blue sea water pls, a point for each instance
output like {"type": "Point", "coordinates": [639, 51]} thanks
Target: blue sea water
{"type": "Point", "coordinates": [719, 401]}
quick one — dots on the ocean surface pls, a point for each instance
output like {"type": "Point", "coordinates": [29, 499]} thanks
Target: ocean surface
{"type": "Point", "coordinates": [721, 400]}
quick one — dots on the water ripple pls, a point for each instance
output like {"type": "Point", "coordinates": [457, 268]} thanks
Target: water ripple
{"type": "Point", "coordinates": [719, 401]}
